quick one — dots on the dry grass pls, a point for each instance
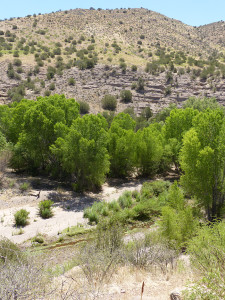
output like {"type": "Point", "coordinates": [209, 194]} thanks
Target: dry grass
{"type": "Point", "coordinates": [126, 283]}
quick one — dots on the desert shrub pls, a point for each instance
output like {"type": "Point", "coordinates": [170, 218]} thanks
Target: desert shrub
{"type": "Point", "coordinates": [167, 91]}
{"type": "Point", "coordinates": [154, 188]}
{"type": "Point", "coordinates": [98, 265]}
{"type": "Point", "coordinates": [207, 253]}
{"type": "Point", "coordinates": [178, 223]}
{"type": "Point", "coordinates": [109, 102]}
{"type": "Point", "coordinates": [17, 62]}
{"type": "Point", "coordinates": [45, 209]}
{"type": "Point", "coordinates": [84, 107]}
{"type": "Point", "coordinates": [47, 93]}
{"type": "Point", "coordinates": [71, 81]}
{"type": "Point", "coordinates": [123, 66]}
{"type": "Point", "coordinates": [52, 87]}
{"type": "Point", "coordinates": [16, 53]}
{"type": "Point", "coordinates": [114, 206]}
{"type": "Point", "coordinates": [144, 211]}
{"type": "Point", "coordinates": [126, 96]}
{"type": "Point", "coordinates": [99, 259]}
{"type": "Point", "coordinates": [145, 253]}
{"type": "Point", "coordinates": [24, 186]}
{"type": "Point", "coordinates": [21, 217]}
{"type": "Point", "coordinates": [134, 68]}
{"type": "Point", "coordinates": [140, 84]}
{"type": "Point", "coordinates": [50, 72]}
{"type": "Point", "coordinates": [147, 113]}
{"type": "Point", "coordinates": [94, 212]}
{"type": "Point", "coordinates": [19, 70]}
{"type": "Point", "coordinates": [125, 200]}
{"type": "Point", "coordinates": [9, 251]}
{"type": "Point", "coordinates": [10, 72]}
{"type": "Point", "coordinates": [109, 235]}
{"type": "Point", "coordinates": [134, 86]}
{"type": "Point", "coordinates": [38, 239]}
{"type": "Point", "coordinates": [23, 279]}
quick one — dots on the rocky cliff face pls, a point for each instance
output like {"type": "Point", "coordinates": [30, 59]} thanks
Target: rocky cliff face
{"type": "Point", "coordinates": [92, 85]}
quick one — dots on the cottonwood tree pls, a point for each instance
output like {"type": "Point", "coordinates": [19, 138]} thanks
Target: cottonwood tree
{"type": "Point", "coordinates": [42, 123]}
{"type": "Point", "coordinates": [148, 149]}
{"type": "Point", "coordinates": [83, 151]}
{"type": "Point", "coordinates": [122, 145]}
{"type": "Point", "coordinates": [202, 160]}
{"type": "Point", "coordinates": [176, 125]}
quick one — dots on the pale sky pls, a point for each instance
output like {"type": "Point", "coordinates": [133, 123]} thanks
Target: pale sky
{"type": "Point", "coordinates": [191, 12]}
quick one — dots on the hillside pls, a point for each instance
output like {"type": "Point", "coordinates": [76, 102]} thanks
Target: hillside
{"type": "Point", "coordinates": [86, 54]}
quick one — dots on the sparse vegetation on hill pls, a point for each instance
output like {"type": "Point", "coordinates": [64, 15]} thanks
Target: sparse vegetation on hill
{"type": "Point", "coordinates": [55, 50]}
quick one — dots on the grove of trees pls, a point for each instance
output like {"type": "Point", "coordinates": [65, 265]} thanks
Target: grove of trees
{"type": "Point", "coordinates": [49, 136]}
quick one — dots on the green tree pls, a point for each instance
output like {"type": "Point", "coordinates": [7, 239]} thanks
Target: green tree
{"type": "Point", "coordinates": [176, 125]}
{"type": "Point", "coordinates": [121, 145]}
{"type": "Point", "coordinates": [202, 160]}
{"type": "Point", "coordinates": [177, 222]}
{"type": "Point", "coordinates": [201, 103]}
{"type": "Point", "coordinates": [149, 149]}
{"type": "Point", "coordinates": [83, 151]}
{"type": "Point", "coordinates": [42, 123]}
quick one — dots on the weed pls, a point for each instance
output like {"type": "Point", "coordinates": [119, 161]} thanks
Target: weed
{"type": "Point", "coordinates": [21, 217]}
{"type": "Point", "coordinates": [45, 209]}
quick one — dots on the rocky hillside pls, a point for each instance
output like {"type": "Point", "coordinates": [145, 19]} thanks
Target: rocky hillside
{"type": "Point", "coordinates": [86, 54]}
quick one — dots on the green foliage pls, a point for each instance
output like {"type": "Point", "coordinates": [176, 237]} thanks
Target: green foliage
{"type": "Point", "coordinates": [21, 217]}
{"type": "Point", "coordinates": [41, 123]}
{"type": "Point", "coordinates": [52, 87]}
{"type": "Point", "coordinates": [84, 107]}
{"type": "Point", "coordinates": [201, 103]}
{"type": "Point", "coordinates": [140, 84]}
{"type": "Point", "coordinates": [24, 186]}
{"type": "Point", "coordinates": [76, 230]}
{"type": "Point", "coordinates": [114, 206]}
{"type": "Point", "coordinates": [147, 113]}
{"type": "Point", "coordinates": [177, 223]}
{"type": "Point", "coordinates": [202, 159]}
{"type": "Point", "coordinates": [121, 145]}
{"type": "Point", "coordinates": [126, 96]}
{"type": "Point", "coordinates": [207, 253]}
{"type": "Point", "coordinates": [154, 188]}
{"type": "Point", "coordinates": [17, 62]}
{"type": "Point", "coordinates": [109, 102]}
{"type": "Point", "coordinates": [45, 209]}
{"type": "Point", "coordinates": [109, 235]}
{"type": "Point", "coordinates": [94, 212]}
{"type": "Point", "coordinates": [3, 142]}
{"type": "Point", "coordinates": [176, 125]}
{"type": "Point", "coordinates": [9, 251]}
{"type": "Point", "coordinates": [51, 72]}
{"type": "Point", "coordinates": [71, 81]}
{"type": "Point", "coordinates": [83, 151]}
{"type": "Point", "coordinates": [125, 200]}
{"type": "Point", "coordinates": [149, 149]}
{"type": "Point", "coordinates": [131, 207]}
{"type": "Point", "coordinates": [38, 239]}
{"type": "Point", "coordinates": [164, 113]}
